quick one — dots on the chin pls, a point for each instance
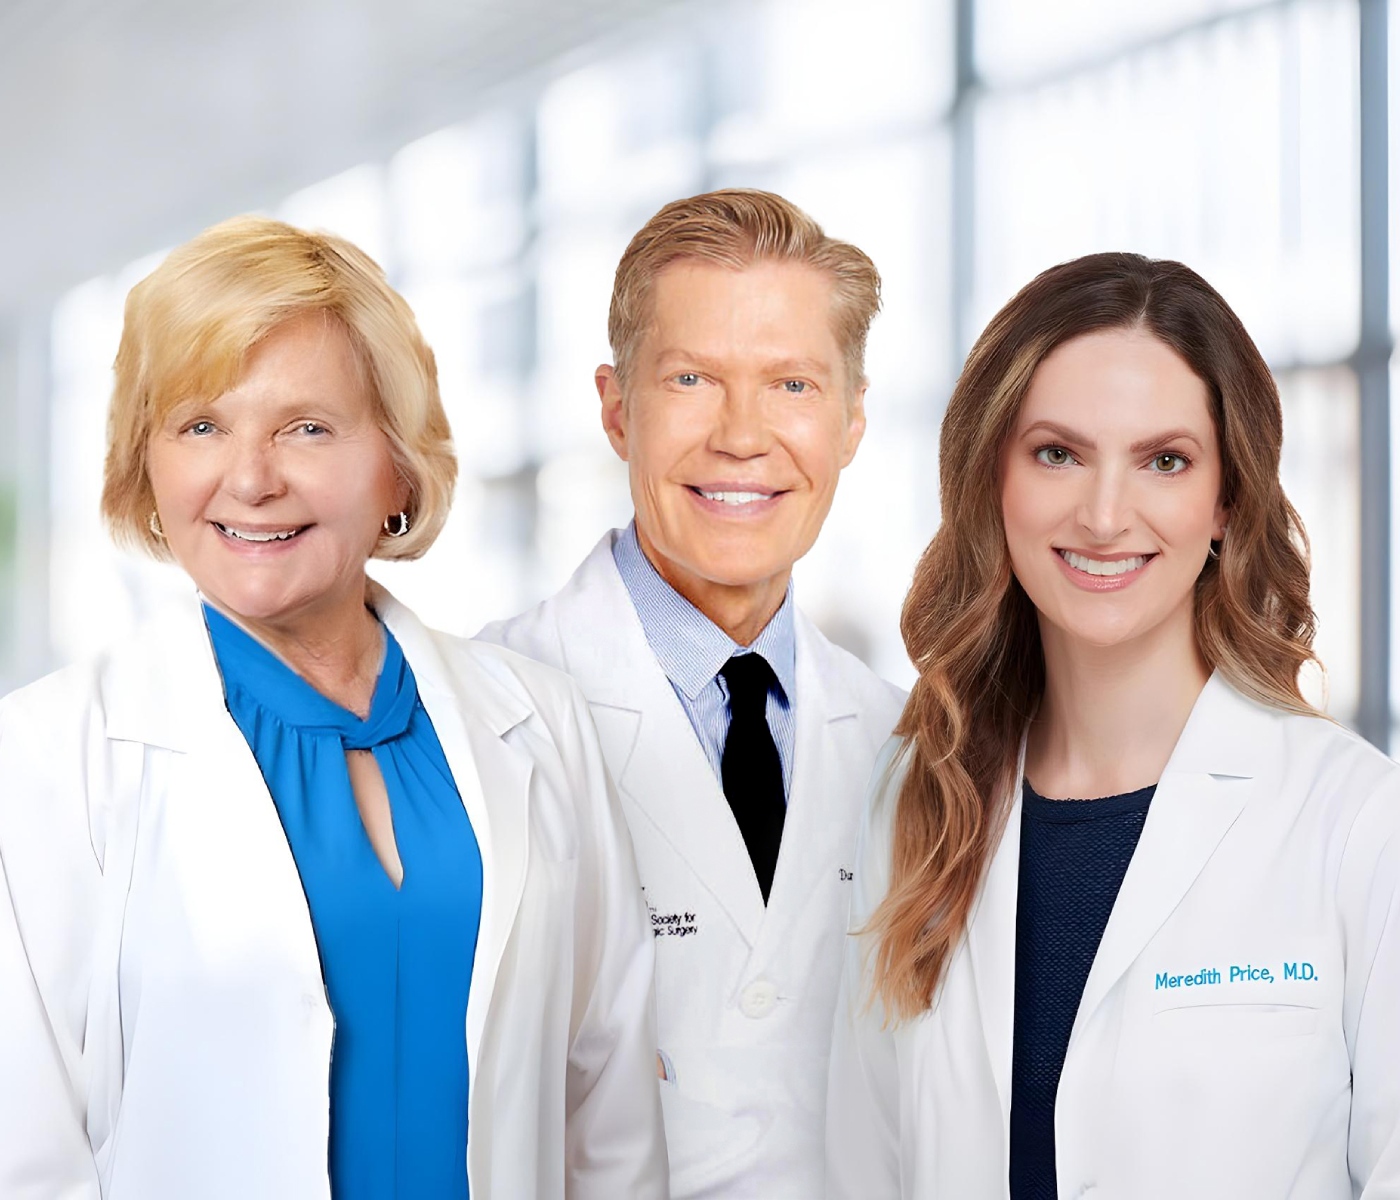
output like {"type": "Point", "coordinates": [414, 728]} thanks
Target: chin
{"type": "Point", "coordinates": [736, 571]}
{"type": "Point", "coordinates": [256, 604]}
{"type": "Point", "coordinates": [1106, 635]}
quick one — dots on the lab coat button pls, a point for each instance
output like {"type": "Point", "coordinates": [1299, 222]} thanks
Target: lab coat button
{"type": "Point", "coordinates": [757, 1000]}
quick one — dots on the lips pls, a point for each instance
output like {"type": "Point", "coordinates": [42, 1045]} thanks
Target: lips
{"type": "Point", "coordinates": [241, 534]}
{"type": "Point", "coordinates": [735, 495]}
{"type": "Point", "coordinates": [1106, 567]}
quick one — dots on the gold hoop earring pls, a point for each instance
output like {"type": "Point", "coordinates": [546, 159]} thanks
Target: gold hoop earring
{"type": "Point", "coordinates": [153, 524]}
{"type": "Point", "coordinates": [396, 524]}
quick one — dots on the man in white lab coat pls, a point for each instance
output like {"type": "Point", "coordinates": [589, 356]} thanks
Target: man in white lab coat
{"type": "Point", "coordinates": [740, 738]}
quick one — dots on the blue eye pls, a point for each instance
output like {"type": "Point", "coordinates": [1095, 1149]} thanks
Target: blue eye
{"type": "Point", "coordinates": [688, 379]}
{"type": "Point", "coordinates": [1169, 464]}
{"type": "Point", "coordinates": [201, 428]}
{"type": "Point", "coordinates": [796, 387]}
{"type": "Point", "coordinates": [1054, 456]}
{"type": "Point", "coordinates": [311, 428]}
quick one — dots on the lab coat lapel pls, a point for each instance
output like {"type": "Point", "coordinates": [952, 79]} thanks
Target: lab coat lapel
{"type": "Point", "coordinates": [471, 714]}
{"type": "Point", "coordinates": [163, 689]}
{"type": "Point", "coordinates": [991, 944]}
{"type": "Point", "coordinates": [1204, 788]}
{"type": "Point", "coordinates": [672, 782]}
{"type": "Point", "coordinates": [648, 740]}
{"type": "Point", "coordinates": [819, 817]}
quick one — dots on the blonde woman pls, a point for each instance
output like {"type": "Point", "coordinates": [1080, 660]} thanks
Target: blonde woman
{"type": "Point", "coordinates": [299, 898]}
{"type": "Point", "coordinates": [1128, 908]}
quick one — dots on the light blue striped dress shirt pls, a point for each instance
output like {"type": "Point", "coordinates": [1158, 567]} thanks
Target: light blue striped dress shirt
{"type": "Point", "coordinates": [691, 650]}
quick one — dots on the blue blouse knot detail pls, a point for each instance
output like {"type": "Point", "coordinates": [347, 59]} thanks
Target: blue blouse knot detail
{"type": "Point", "coordinates": [397, 961]}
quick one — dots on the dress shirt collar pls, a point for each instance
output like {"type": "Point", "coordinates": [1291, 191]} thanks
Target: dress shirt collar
{"type": "Point", "coordinates": [689, 646]}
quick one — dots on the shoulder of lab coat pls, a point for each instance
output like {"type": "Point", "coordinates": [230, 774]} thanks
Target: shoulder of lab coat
{"type": "Point", "coordinates": [62, 754]}
{"type": "Point", "coordinates": [595, 596]}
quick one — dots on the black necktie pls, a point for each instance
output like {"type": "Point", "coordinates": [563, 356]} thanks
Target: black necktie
{"type": "Point", "coordinates": [750, 768]}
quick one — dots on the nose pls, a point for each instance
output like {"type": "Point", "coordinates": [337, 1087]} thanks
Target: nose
{"type": "Point", "coordinates": [741, 428]}
{"type": "Point", "coordinates": [254, 474]}
{"type": "Point", "coordinates": [1105, 509]}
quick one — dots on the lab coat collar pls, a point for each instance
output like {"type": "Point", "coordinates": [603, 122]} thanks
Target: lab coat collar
{"type": "Point", "coordinates": [600, 632]}
{"type": "Point", "coordinates": [1225, 735]}
{"type": "Point", "coordinates": [816, 665]}
{"type": "Point", "coordinates": [162, 686]}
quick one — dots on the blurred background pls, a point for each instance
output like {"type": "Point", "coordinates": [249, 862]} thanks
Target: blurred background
{"type": "Point", "coordinates": [496, 155]}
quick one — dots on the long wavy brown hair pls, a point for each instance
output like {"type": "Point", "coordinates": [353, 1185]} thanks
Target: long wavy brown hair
{"type": "Point", "coordinates": [972, 632]}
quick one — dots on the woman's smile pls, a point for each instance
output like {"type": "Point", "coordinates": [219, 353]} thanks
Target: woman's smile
{"type": "Point", "coordinates": [1103, 574]}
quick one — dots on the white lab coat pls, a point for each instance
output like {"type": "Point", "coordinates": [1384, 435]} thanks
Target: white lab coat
{"type": "Point", "coordinates": [745, 995]}
{"type": "Point", "coordinates": [164, 1028]}
{"type": "Point", "coordinates": [1272, 846]}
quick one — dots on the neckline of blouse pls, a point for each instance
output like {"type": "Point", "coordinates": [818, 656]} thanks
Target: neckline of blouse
{"type": "Point", "coordinates": [269, 683]}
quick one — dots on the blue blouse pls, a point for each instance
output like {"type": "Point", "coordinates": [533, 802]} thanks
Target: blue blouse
{"type": "Point", "coordinates": [397, 961]}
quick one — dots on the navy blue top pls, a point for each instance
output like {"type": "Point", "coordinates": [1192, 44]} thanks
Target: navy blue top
{"type": "Point", "coordinates": [397, 961]}
{"type": "Point", "coordinates": [1074, 854]}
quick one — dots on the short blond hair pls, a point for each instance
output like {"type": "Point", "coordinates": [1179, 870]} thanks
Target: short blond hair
{"type": "Point", "coordinates": [735, 228]}
{"type": "Point", "coordinates": [191, 323]}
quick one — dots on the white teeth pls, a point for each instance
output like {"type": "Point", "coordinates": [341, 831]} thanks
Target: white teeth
{"type": "Point", "coordinates": [733, 497]}
{"type": "Point", "coordinates": [1093, 566]}
{"type": "Point", "coordinates": [248, 535]}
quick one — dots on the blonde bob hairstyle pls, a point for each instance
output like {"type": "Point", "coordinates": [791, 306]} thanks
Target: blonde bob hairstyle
{"type": "Point", "coordinates": [191, 323]}
{"type": "Point", "coordinates": [972, 632]}
{"type": "Point", "coordinates": [735, 228]}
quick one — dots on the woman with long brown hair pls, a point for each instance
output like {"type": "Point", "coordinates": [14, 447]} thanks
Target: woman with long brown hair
{"type": "Point", "coordinates": [1127, 912]}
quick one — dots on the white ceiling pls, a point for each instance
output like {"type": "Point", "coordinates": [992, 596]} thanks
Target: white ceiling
{"type": "Point", "coordinates": [127, 125]}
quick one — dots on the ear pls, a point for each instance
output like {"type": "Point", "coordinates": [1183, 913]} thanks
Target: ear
{"type": "Point", "coordinates": [403, 492]}
{"type": "Point", "coordinates": [855, 426]}
{"type": "Point", "coordinates": [614, 412]}
{"type": "Point", "coordinates": [1222, 521]}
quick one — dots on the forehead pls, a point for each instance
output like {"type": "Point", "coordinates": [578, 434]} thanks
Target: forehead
{"type": "Point", "coordinates": [310, 344]}
{"type": "Point", "coordinates": [770, 309]}
{"type": "Point", "coordinates": [1117, 381]}
{"type": "Point", "coordinates": [308, 357]}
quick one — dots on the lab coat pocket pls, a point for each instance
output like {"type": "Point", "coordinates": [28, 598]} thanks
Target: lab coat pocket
{"type": "Point", "coordinates": [1243, 1085]}
{"type": "Point", "coordinates": [708, 1145]}
{"type": "Point", "coordinates": [1232, 1021]}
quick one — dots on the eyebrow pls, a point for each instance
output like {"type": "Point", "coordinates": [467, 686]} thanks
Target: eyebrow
{"type": "Point", "coordinates": [1073, 437]}
{"type": "Point", "coordinates": [779, 366]}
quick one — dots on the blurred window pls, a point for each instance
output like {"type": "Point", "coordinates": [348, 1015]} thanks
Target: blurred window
{"type": "Point", "coordinates": [1220, 132]}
